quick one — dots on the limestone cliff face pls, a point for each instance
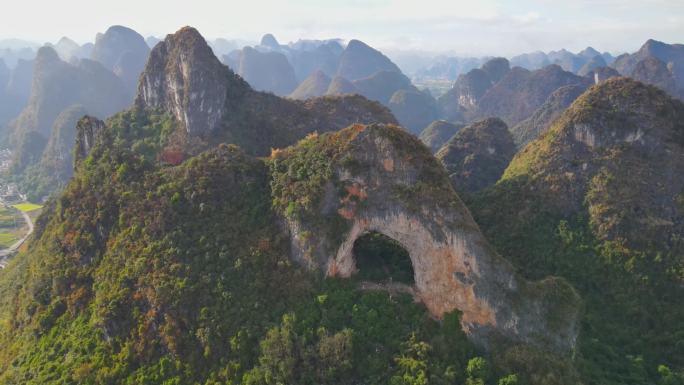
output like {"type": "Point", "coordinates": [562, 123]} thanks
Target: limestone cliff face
{"type": "Point", "coordinates": [58, 85]}
{"type": "Point", "coordinates": [461, 101]}
{"type": "Point", "coordinates": [384, 180]}
{"type": "Point", "coordinates": [214, 105]}
{"type": "Point", "coordinates": [184, 78]}
{"type": "Point", "coordinates": [87, 131]}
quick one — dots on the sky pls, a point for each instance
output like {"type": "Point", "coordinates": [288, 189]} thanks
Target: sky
{"type": "Point", "coordinates": [473, 27]}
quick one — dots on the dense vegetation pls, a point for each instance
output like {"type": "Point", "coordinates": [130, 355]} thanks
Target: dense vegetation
{"type": "Point", "coordinates": [146, 271]}
{"type": "Point", "coordinates": [605, 216]}
{"type": "Point", "coordinates": [631, 331]}
{"type": "Point", "coordinates": [147, 274]}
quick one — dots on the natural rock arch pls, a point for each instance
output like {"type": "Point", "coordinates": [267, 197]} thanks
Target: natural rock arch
{"type": "Point", "coordinates": [382, 179]}
{"type": "Point", "coordinates": [440, 267]}
{"type": "Point", "coordinates": [381, 259]}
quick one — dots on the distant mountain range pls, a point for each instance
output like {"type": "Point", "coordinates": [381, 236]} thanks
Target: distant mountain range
{"type": "Point", "coordinates": [527, 92]}
{"type": "Point", "coordinates": [210, 207]}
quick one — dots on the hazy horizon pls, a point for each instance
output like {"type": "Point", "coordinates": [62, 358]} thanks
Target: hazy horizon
{"type": "Point", "coordinates": [490, 27]}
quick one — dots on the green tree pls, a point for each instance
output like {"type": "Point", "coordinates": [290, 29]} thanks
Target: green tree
{"type": "Point", "coordinates": [412, 365]}
{"type": "Point", "coordinates": [478, 371]}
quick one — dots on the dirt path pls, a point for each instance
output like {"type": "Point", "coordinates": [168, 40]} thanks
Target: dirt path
{"type": "Point", "coordinates": [393, 288]}
{"type": "Point", "coordinates": [5, 254]}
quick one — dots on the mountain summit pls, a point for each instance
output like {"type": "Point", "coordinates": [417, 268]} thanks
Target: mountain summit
{"type": "Point", "coordinates": [184, 78]}
{"type": "Point", "coordinates": [213, 104]}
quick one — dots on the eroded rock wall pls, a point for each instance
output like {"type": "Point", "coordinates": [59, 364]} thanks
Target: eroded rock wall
{"type": "Point", "coordinates": [387, 182]}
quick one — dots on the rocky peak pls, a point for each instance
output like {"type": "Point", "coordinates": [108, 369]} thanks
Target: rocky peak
{"type": "Point", "coordinates": [382, 85]}
{"type": "Point", "coordinates": [438, 133]}
{"type": "Point", "coordinates": [124, 52]}
{"type": "Point", "coordinates": [616, 133]}
{"type": "Point", "coordinates": [413, 108]}
{"type": "Point", "coordinates": [653, 47]}
{"type": "Point", "coordinates": [496, 68]}
{"type": "Point", "coordinates": [478, 154]}
{"type": "Point", "coordinates": [46, 56]}
{"type": "Point", "coordinates": [66, 48]}
{"type": "Point", "coordinates": [315, 85]}
{"type": "Point", "coordinates": [341, 86]}
{"type": "Point", "coordinates": [463, 98]}
{"type": "Point", "coordinates": [601, 74]}
{"type": "Point", "coordinates": [88, 129]}
{"type": "Point", "coordinates": [115, 41]}
{"type": "Point", "coordinates": [589, 53]}
{"type": "Point", "coordinates": [532, 127]}
{"type": "Point", "coordinates": [521, 92]}
{"type": "Point", "coordinates": [358, 60]}
{"type": "Point", "coordinates": [184, 78]}
{"type": "Point", "coordinates": [268, 71]}
{"type": "Point", "coordinates": [593, 63]}
{"type": "Point", "coordinates": [268, 40]}
{"type": "Point", "coordinates": [384, 180]}
{"type": "Point", "coordinates": [653, 71]}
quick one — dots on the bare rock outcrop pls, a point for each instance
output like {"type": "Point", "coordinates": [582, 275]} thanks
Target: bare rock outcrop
{"type": "Point", "coordinates": [88, 130]}
{"type": "Point", "coordinates": [214, 105]}
{"type": "Point", "coordinates": [380, 178]}
{"type": "Point", "coordinates": [184, 77]}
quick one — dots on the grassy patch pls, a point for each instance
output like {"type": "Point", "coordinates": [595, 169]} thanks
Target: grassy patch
{"type": "Point", "coordinates": [27, 206]}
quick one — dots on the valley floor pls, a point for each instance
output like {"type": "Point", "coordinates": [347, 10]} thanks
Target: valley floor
{"type": "Point", "coordinates": [26, 229]}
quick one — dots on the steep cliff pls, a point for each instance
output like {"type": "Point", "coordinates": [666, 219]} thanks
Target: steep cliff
{"type": "Point", "coordinates": [88, 129]}
{"type": "Point", "coordinates": [379, 178]}
{"type": "Point", "coordinates": [55, 167]}
{"type": "Point", "coordinates": [461, 101]}
{"type": "Point", "coordinates": [184, 78]}
{"type": "Point", "coordinates": [58, 85]}
{"type": "Point", "coordinates": [214, 105]}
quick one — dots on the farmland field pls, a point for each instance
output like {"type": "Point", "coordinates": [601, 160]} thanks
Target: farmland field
{"type": "Point", "coordinates": [27, 206]}
{"type": "Point", "coordinates": [7, 239]}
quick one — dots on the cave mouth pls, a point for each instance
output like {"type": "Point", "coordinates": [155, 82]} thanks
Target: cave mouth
{"type": "Point", "coordinates": [380, 258]}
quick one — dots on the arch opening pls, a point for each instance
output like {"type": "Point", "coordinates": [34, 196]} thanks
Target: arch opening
{"type": "Point", "coordinates": [380, 258]}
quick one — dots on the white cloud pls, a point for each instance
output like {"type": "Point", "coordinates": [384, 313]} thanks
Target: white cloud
{"type": "Point", "coordinates": [470, 27]}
